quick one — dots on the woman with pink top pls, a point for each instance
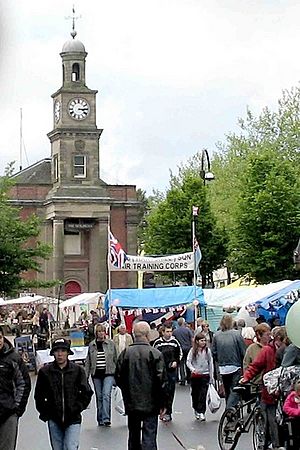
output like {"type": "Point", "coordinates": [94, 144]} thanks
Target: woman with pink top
{"type": "Point", "coordinates": [291, 408]}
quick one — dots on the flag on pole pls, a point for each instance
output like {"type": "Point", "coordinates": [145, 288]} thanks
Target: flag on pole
{"type": "Point", "coordinates": [195, 210]}
{"type": "Point", "coordinates": [197, 256]}
{"type": "Point", "coordinates": [116, 255]}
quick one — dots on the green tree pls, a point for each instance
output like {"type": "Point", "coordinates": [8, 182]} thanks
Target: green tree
{"type": "Point", "coordinates": [142, 213]}
{"type": "Point", "coordinates": [169, 222]}
{"type": "Point", "coordinates": [256, 192]}
{"type": "Point", "coordinates": [20, 249]}
{"type": "Point", "coordinates": [267, 218]}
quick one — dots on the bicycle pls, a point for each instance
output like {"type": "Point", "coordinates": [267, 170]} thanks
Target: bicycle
{"type": "Point", "coordinates": [238, 420]}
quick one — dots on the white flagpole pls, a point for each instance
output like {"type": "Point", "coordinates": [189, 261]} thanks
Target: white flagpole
{"type": "Point", "coordinates": [195, 213]}
{"type": "Point", "coordinates": [109, 281]}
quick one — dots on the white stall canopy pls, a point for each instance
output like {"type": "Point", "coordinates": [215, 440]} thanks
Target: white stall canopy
{"type": "Point", "coordinates": [25, 300]}
{"type": "Point", "coordinates": [237, 298]}
{"type": "Point", "coordinates": [82, 299]}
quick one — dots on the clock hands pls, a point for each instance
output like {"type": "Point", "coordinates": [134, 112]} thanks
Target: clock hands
{"type": "Point", "coordinates": [79, 108]}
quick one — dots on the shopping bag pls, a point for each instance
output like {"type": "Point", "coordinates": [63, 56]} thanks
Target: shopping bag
{"type": "Point", "coordinates": [213, 399]}
{"type": "Point", "coordinates": [118, 400]}
{"type": "Point", "coordinates": [220, 389]}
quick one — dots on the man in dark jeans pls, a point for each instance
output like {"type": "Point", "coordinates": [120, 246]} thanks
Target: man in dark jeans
{"type": "Point", "coordinates": [141, 375]}
{"type": "Point", "coordinates": [184, 336]}
{"type": "Point", "coordinates": [172, 353]}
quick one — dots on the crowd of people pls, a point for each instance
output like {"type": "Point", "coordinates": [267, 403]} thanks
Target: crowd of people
{"type": "Point", "coordinates": [28, 318]}
{"type": "Point", "coordinates": [147, 366]}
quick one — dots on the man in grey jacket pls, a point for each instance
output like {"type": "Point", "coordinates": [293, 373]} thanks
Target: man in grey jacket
{"type": "Point", "coordinates": [228, 350]}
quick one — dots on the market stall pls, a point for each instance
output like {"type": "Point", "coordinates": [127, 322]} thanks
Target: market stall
{"type": "Point", "coordinates": [27, 303]}
{"type": "Point", "coordinates": [44, 357]}
{"type": "Point", "coordinates": [73, 306]}
{"type": "Point", "coordinates": [154, 303]}
{"type": "Point", "coordinates": [258, 300]}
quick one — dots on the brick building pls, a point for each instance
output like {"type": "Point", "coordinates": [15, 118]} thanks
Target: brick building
{"type": "Point", "coordinates": [66, 191]}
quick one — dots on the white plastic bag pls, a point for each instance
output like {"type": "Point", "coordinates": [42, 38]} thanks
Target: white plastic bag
{"type": "Point", "coordinates": [118, 400]}
{"type": "Point", "coordinates": [213, 399]}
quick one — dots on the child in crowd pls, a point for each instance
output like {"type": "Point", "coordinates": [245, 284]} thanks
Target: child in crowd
{"type": "Point", "coordinates": [291, 408]}
{"type": "Point", "coordinates": [200, 363]}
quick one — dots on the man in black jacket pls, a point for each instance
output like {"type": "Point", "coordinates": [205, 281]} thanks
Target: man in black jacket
{"type": "Point", "coordinates": [141, 376]}
{"type": "Point", "coordinates": [172, 353]}
{"type": "Point", "coordinates": [14, 392]}
{"type": "Point", "coordinates": [62, 392]}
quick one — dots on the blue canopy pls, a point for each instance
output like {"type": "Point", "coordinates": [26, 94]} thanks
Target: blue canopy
{"type": "Point", "coordinates": [155, 297]}
{"type": "Point", "coordinates": [277, 298]}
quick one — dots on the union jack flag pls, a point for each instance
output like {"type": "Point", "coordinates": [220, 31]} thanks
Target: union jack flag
{"type": "Point", "coordinates": [116, 255]}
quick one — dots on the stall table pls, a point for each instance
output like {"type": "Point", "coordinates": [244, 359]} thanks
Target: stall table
{"type": "Point", "coordinates": [44, 357]}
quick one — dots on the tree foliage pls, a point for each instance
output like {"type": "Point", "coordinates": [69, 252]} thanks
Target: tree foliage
{"type": "Point", "coordinates": [20, 248]}
{"type": "Point", "coordinates": [169, 222]}
{"type": "Point", "coordinates": [256, 192]}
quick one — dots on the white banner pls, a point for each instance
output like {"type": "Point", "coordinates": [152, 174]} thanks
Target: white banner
{"type": "Point", "coordinates": [184, 261]}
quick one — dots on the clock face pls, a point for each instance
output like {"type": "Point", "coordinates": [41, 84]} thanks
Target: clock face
{"type": "Point", "coordinates": [79, 108]}
{"type": "Point", "coordinates": [57, 110]}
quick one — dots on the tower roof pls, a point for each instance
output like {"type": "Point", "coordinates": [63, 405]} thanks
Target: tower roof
{"type": "Point", "coordinates": [73, 45]}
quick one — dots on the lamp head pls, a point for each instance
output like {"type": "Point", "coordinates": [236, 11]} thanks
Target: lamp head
{"type": "Point", "coordinates": [209, 176]}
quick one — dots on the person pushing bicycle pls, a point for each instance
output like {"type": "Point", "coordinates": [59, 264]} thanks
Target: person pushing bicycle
{"type": "Point", "coordinates": [263, 363]}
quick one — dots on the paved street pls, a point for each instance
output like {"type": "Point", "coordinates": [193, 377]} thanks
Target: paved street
{"type": "Point", "coordinates": [33, 433]}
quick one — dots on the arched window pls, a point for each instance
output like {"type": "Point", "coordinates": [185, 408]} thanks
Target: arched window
{"type": "Point", "coordinates": [75, 72]}
{"type": "Point", "coordinates": [72, 288]}
{"type": "Point", "coordinates": [63, 67]}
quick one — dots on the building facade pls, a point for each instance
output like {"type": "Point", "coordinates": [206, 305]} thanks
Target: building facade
{"type": "Point", "coordinates": [66, 191]}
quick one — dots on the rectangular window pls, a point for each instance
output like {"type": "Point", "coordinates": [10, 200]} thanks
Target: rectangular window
{"type": "Point", "coordinates": [79, 166]}
{"type": "Point", "coordinates": [55, 167]}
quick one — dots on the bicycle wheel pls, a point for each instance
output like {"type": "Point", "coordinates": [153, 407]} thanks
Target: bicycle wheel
{"type": "Point", "coordinates": [229, 430]}
{"type": "Point", "coordinates": [259, 430]}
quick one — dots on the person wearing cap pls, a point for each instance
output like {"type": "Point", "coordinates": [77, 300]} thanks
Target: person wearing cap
{"type": "Point", "coordinates": [62, 392]}
{"type": "Point", "coordinates": [14, 392]}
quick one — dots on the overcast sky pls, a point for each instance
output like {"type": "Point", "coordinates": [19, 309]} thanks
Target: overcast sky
{"type": "Point", "coordinates": [173, 75]}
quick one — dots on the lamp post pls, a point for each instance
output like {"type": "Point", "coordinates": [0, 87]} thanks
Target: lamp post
{"type": "Point", "coordinates": [205, 172]}
{"type": "Point", "coordinates": [296, 256]}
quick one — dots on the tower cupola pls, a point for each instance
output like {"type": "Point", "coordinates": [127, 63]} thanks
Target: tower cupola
{"type": "Point", "coordinates": [73, 56]}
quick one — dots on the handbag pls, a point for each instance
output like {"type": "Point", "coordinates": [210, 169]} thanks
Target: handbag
{"type": "Point", "coordinates": [213, 399]}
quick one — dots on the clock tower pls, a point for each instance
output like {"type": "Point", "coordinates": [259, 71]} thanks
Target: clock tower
{"type": "Point", "coordinates": [66, 191]}
{"type": "Point", "coordinates": [75, 136]}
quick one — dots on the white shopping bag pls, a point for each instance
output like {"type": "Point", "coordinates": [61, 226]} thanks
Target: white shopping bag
{"type": "Point", "coordinates": [118, 400]}
{"type": "Point", "coordinates": [213, 399]}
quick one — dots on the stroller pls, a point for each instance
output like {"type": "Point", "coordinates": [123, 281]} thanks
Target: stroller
{"type": "Point", "coordinates": [280, 382]}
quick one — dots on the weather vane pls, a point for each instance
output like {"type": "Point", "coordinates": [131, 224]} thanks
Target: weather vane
{"type": "Point", "coordinates": [74, 18]}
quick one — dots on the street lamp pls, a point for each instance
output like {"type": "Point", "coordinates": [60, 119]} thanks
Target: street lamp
{"type": "Point", "coordinates": [205, 172]}
{"type": "Point", "coordinates": [296, 256]}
